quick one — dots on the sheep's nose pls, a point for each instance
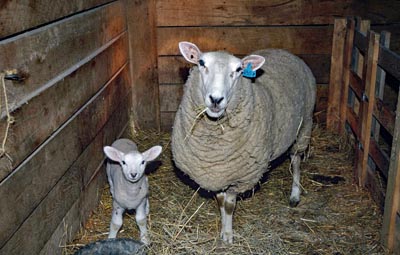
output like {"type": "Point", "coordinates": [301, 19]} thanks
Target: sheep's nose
{"type": "Point", "coordinates": [133, 175]}
{"type": "Point", "coordinates": [216, 100]}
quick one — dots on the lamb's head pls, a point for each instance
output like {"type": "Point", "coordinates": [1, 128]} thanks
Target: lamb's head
{"type": "Point", "coordinates": [220, 72]}
{"type": "Point", "coordinates": [132, 163]}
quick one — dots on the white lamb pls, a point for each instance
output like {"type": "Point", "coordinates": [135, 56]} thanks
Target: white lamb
{"type": "Point", "coordinates": [248, 122]}
{"type": "Point", "coordinates": [128, 185]}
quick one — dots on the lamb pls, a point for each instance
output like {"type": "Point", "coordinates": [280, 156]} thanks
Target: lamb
{"type": "Point", "coordinates": [247, 122]}
{"type": "Point", "coordinates": [129, 186]}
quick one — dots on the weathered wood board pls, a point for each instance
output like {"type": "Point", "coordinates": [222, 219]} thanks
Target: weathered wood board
{"type": "Point", "coordinates": [16, 17]}
{"type": "Point", "coordinates": [25, 191]}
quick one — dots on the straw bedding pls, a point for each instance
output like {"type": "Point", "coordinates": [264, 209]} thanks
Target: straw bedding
{"type": "Point", "coordinates": [333, 217]}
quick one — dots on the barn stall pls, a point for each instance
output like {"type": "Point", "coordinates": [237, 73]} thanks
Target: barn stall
{"type": "Point", "coordinates": [79, 74]}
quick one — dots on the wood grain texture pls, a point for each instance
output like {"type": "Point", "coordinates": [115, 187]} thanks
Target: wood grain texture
{"type": "Point", "coordinates": [69, 189]}
{"type": "Point", "coordinates": [243, 40]}
{"type": "Point", "coordinates": [41, 53]}
{"type": "Point", "coordinates": [17, 16]}
{"type": "Point", "coordinates": [298, 12]}
{"type": "Point", "coordinates": [58, 103]}
{"type": "Point", "coordinates": [143, 62]}
{"type": "Point", "coordinates": [175, 69]}
{"type": "Point", "coordinates": [26, 187]}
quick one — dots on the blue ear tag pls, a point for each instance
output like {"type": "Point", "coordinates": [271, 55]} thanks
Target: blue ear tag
{"type": "Point", "coordinates": [248, 72]}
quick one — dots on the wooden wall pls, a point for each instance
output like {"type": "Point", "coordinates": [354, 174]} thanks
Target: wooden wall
{"type": "Point", "coordinates": [76, 58]}
{"type": "Point", "coordinates": [240, 27]}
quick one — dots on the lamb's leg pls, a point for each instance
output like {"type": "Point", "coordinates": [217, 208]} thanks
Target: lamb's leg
{"type": "Point", "coordinates": [141, 214]}
{"type": "Point", "coordinates": [116, 220]}
{"type": "Point", "coordinates": [228, 200]}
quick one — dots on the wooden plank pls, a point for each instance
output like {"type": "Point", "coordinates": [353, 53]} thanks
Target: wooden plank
{"type": "Point", "coordinates": [353, 121]}
{"type": "Point", "coordinates": [243, 40]}
{"type": "Point", "coordinates": [336, 73]}
{"type": "Point", "coordinates": [167, 121]}
{"type": "Point", "coordinates": [239, 13]}
{"type": "Point", "coordinates": [68, 94]}
{"type": "Point", "coordinates": [143, 62]}
{"type": "Point", "coordinates": [32, 180]}
{"type": "Point", "coordinates": [90, 162]}
{"type": "Point", "coordinates": [380, 84]}
{"type": "Point", "coordinates": [347, 57]}
{"type": "Point", "coordinates": [390, 62]}
{"type": "Point", "coordinates": [385, 116]}
{"type": "Point", "coordinates": [39, 52]}
{"type": "Point", "coordinates": [16, 17]}
{"type": "Point", "coordinates": [356, 84]}
{"type": "Point", "coordinates": [175, 69]}
{"type": "Point", "coordinates": [392, 200]}
{"type": "Point", "coordinates": [379, 158]}
{"type": "Point", "coordinates": [367, 104]}
{"type": "Point", "coordinates": [170, 97]}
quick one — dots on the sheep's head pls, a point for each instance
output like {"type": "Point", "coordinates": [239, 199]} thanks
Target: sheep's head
{"type": "Point", "coordinates": [220, 71]}
{"type": "Point", "coordinates": [133, 163]}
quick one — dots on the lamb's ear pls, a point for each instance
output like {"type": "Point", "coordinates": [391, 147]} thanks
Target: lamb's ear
{"type": "Point", "coordinates": [152, 153]}
{"type": "Point", "coordinates": [113, 154]}
{"type": "Point", "coordinates": [190, 52]}
{"type": "Point", "coordinates": [256, 61]}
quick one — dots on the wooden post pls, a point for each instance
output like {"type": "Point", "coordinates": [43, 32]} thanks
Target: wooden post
{"type": "Point", "coordinates": [348, 52]}
{"type": "Point", "coordinates": [389, 237]}
{"type": "Point", "coordinates": [367, 104]}
{"type": "Point", "coordinates": [143, 63]}
{"type": "Point", "coordinates": [380, 83]}
{"type": "Point", "coordinates": [336, 74]}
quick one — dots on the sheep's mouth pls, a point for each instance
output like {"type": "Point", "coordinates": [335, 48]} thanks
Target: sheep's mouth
{"type": "Point", "coordinates": [215, 113]}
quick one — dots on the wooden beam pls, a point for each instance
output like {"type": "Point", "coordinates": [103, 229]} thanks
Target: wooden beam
{"type": "Point", "coordinates": [16, 17]}
{"type": "Point", "coordinates": [336, 74]}
{"type": "Point", "coordinates": [297, 40]}
{"type": "Point", "coordinates": [242, 13]}
{"type": "Point", "coordinates": [367, 104]}
{"type": "Point", "coordinates": [143, 62]}
{"type": "Point", "coordinates": [392, 200]}
{"type": "Point", "coordinates": [57, 103]}
{"type": "Point", "coordinates": [29, 184]}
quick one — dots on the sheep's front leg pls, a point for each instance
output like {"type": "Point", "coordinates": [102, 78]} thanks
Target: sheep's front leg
{"type": "Point", "coordinates": [141, 213]}
{"type": "Point", "coordinates": [296, 187]}
{"type": "Point", "coordinates": [116, 220]}
{"type": "Point", "coordinates": [227, 203]}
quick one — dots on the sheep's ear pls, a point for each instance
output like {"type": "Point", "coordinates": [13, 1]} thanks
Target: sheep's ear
{"type": "Point", "coordinates": [152, 153]}
{"type": "Point", "coordinates": [113, 154]}
{"type": "Point", "coordinates": [256, 62]}
{"type": "Point", "coordinates": [190, 52]}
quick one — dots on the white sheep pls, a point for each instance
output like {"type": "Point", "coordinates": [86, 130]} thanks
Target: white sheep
{"type": "Point", "coordinates": [247, 122]}
{"type": "Point", "coordinates": [128, 185]}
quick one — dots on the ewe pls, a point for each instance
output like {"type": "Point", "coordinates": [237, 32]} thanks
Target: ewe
{"type": "Point", "coordinates": [128, 185]}
{"type": "Point", "coordinates": [247, 122]}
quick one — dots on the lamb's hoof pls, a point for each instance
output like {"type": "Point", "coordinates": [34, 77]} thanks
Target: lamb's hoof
{"type": "Point", "coordinates": [293, 202]}
{"type": "Point", "coordinates": [145, 240]}
{"type": "Point", "coordinates": [227, 237]}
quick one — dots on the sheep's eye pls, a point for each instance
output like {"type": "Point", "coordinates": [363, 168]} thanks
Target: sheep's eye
{"type": "Point", "coordinates": [201, 62]}
{"type": "Point", "coordinates": [143, 162]}
{"type": "Point", "coordinates": [123, 162]}
{"type": "Point", "coordinates": [239, 69]}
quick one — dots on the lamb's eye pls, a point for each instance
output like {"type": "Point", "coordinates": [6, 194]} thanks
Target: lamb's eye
{"type": "Point", "coordinates": [201, 62]}
{"type": "Point", "coordinates": [239, 69]}
{"type": "Point", "coordinates": [143, 162]}
{"type": "Point", "coordinates": [123, 162]}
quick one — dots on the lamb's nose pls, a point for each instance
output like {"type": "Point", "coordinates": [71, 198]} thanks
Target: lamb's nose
{"type": "Point", "coordinates": [133, 175]}
{"type": "Point", "coordinates": [216, 100]}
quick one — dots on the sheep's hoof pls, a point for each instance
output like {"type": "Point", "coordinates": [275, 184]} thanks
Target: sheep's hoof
{"type": "Point", "coordinates": [145, 240]}
{"type": "Point", "coordinates": [293, 202]}
{"type": "Point", "coordinates": [227, 237]}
